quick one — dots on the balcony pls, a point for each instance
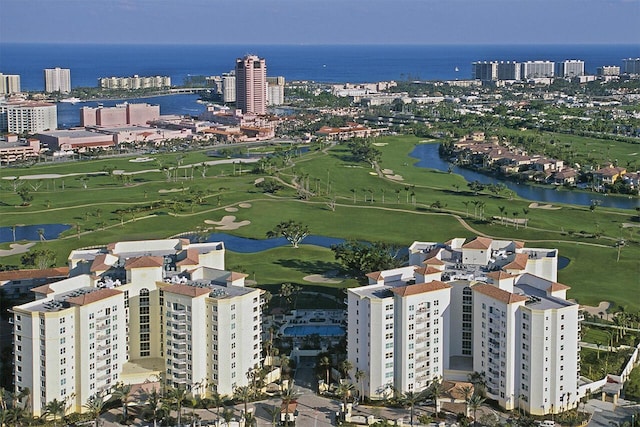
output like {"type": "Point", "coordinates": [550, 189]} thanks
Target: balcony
{"type": "Point", "coordinates": [103, 317]}
{"type": "Point", "coordinates": [422, 359]}
{"type": "Point", "coordinates": [103, 377]}
{"type": "Point", "coordinates": [103, 337]}
{"type": "Point", "coordinates": [103, 326]}
{"type": "Point", "coordinates": [103, 357]}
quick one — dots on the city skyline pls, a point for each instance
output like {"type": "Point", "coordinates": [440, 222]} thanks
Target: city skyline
{"type": "Point", "coordinates": [357, 22]}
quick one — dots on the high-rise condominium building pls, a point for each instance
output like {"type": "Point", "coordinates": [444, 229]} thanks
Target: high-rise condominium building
{"type": "Point", "coordinates": [608, 70]}
{"type": "Point", "coordinates": [251, 84]}
{"type": "Point", "coordinates": [57, 80]}
{"type": "Point", "coordinates": [9, 84]}
{"type": "Point", "coordinates": [537, 69]}
{"type": "Point", "coordinates": [631, 66]}
{"type": "Point", "coordinates": [494, 70]}
{"type": "Point", "coordinates": [486, 306]}
{"type": "Point", "coordinates": [134, 82]}
{"type": "Point", "coordinates": [275, 90]}
{"type": "Point", "coordinates": [28, 117]}
{"type": "Point", "coordinates": [229, 87]}
{"type": "Point", "coordinates": [133, 312]}
{"type": "Point", "coordinates": [570, 68]}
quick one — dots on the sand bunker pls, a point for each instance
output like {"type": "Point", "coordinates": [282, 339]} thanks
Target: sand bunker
{"type": "Point", "coordinates": [141, 160]}
{"type": "Point", "coordinates": [227, 222]}
{"type": "Point", "coordinates": [595, 311]}
{"type": "Point", "coordinates": [231, 209]}
{"type": "Point", "coordinates": [258, 181]}
{"type": "Point", "coordinates": [244, 205]}
{"type": "Point", "coordinates": [380, 144]}
{"type": "Point", "coordinates": [16, 248]}
{"type": "Point", "coordinates": [628, 224]}
{"type": "Point", "coordinates": [373, 173]}
{"type": "Point", "coordinates": [387, 171]}
{"type": "Point", "coordinates": [52, 175]}
{"type": "Point", "coordinates": [548, 207]}
{"type": "Point", "coordinates": [328, 277]}
{"type": "Point", "coordinates": [395, 177]}
{"type": "Point", "coordinates": [173, 190]}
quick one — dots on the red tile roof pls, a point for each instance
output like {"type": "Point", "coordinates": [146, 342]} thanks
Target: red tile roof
{"type": "Point", "coordinates": [144, 262]}
{"type": "Point", "coordinates": [236, 276]}
{"type": "Point", "coordinates": [376, 275]}
{"type": "Point", "coordinates": [99, 263]}
{"type": "Point", "coordinates": [427, 270]}
{"type": "Point", "coordinates": [192, 258]}
{"type": "Point", "coordinates": [190, 291]}
{"type": "Point", "coordinates": [478, 243]}
{"type": "Point", "coordinates": [499, 294]}
{"type": "Point", "coordinates": [44, 289]}
{"type": "Point", "coordinates": [420, 288]}
{"type": "Point", "coordinates": [518, 263]}
{"type": "Point", "coordinates": [34, 273]}
{"type": "Point", "coordinates": [555, 286]}
{"type": "Point", "coordinates": [499, 275]}
{"type": "Point", "coordinates": [93, 296]}
{"type": "Point", "coordinates": [433, 261]}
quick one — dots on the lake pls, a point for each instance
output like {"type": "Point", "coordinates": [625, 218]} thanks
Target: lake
{"type": "Point", "coordinates": [428, 157]}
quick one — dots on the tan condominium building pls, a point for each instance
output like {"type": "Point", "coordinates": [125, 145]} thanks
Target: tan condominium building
{"type": "Point", "coordinates": [135, 312]}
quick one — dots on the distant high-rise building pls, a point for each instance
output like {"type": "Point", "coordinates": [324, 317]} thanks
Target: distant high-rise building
{"type": "Point", "coordinates": [229, 87]}
{"type": "Point", "coordinates": [9, 84]}
{"type": "Point", "coordinates": [134, 82]}
{"type": "Point", "coordinates": [631, 66]}
{"type": "Point", "coordinates": [275, 90]}
{"type": "Point", "coordinates": [608, 70]}
{"type": "Point", "coordinates": [251, 84]}
{"type": "Point", "coordinates": [57, 80]}
{"type": "Point", "coordinates": [494, 70]}
{"type": "Point", "coordinates": [570, 68]}
{"type": "Point", "coordinates": [537, 69]}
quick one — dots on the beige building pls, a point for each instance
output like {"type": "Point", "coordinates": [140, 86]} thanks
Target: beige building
{"type": "Point", "coordinates": [133, 312]}
{"type": "Point", "coordinates": [57, 80]}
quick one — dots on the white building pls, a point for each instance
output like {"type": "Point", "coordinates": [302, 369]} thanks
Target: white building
{"type": "Point", "coordinates": [57, 80]}
{"type": "Point", "coordinates": [134, 82]}
{"type": "Point", "coordinates": [570, 68]}
{"type": "Point", "coordinates": [133, 312]}
{"type": "Point", "coordinates": [631, 66]}
{"type": "Point", "coordinates": [275, 90]}
{"type": "Point", "coordinates": [608, 70]}
{"type": "Point", "coordinates": [9, 84]}
{"type": "Point", "coordinates": [536, 69]}
{"type": "Point", "coordinates": [28, 117]}
{"type": "Point", "coordinates": [484, 305]}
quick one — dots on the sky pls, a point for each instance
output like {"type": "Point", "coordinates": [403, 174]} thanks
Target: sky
{"type": "Point", "coordinates": [321, 21]}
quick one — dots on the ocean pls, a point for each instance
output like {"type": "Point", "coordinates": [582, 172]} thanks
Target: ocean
{"type": "Point", "coordinates": [337, 63]}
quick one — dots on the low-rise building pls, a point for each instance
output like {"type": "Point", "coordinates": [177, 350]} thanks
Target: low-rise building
{"type": "Point", "coordinates": [13, 149]}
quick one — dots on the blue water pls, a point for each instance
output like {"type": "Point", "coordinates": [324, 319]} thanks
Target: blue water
{"type": "Point", "coordinates": [306, 330]}
{"type": "Point", "coordinates": [245, 245]}
{"type": "Point", "coordinates": [428, 157]}
{"type": "Point", "coordinates": [30, 232]}
{"type": "Point", "coordinates": [310, 62]}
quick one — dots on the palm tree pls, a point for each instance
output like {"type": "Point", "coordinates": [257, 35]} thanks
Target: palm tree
{"type": "Point", "coordinates": [243, 393]}
{"type": "Point", "coordinates": [345, 366]}
{"type": "Point", "coordinates": [153, 406]}
{"type": "Point", "coordinates": [177, 396]}
{"type": "Point", "coordinates": [94, 406]}
{"type": "Point", "coordinates": [410, 399]}
{"type": "Point", "coordinates": [325, 362]}
{"type": "Point", "coordinates": [56, 408]}
{"type": "Point", "coordinates": [474, 403]}
{"type": "Point", "coordinates": [359, 377]}
{"type": "Point", "coordinates": [227, 415]}
{"type": "Point", "coordinates": [502, 209]}
{"type": "Point", "coordinates": [289, 395]}
{"type": "Point", "coordinates": [217, 400]}
{"type": "Point", "coordinates": [435, 391]}
{"type": "Point", "coordinates": [274, 412]}
{"type": "Point", "coordinates": [344, 391]}
{"type": "Point", "coordinates": [122, 392]}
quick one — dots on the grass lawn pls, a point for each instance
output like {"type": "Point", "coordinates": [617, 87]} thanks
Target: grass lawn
{"type": "Point", "coordinates": [367, 207]}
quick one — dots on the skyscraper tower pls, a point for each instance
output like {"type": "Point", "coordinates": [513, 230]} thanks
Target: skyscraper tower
{"type": "Point", "coordinates": [57, 80]}
{"type": "Point", "coordinates": [251, 84]}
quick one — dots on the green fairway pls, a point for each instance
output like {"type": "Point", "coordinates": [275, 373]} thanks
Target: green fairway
{"type": "Point", "coordinates": [326, 190]}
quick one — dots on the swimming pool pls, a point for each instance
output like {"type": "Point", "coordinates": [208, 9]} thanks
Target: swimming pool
{"type": "Point", "coordinates": [322, 330]}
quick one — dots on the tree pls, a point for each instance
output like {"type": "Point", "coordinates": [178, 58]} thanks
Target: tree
{"type": "Point", "coordinates": [122, 392]}
{"type": "Point", "coordinates": [410, 399]}
{"type": "Point", "coordinates": [345, 366]}
{"type": "Point", "coordinates": [274, 413]}
{"type": "Point", "coordinates": [360, 258]}
{"type": "Point", "coordinates": [243, 393]}
{"type": "Point", "coordinates": [56, 408]}
{"type": "Point", "coordinates": [153, 407]}
{"type": "Point", "coordinates": [25, 196]}
{"type": "Point", "coordinates": [435, 391]}
{"type": "Point", "coordinates": [359, 377]}
{"type": "Point", "coordinates": [177, 396]}
{"type": "Point", "coordinates": [325, 363]}
{"type": "Point", "coordinates": [363, 150]}
{"type": "Point", "coordinates": [479, 382]}
{"type": "Point", "coordinates": [39, 259]}
{"type": "Point", "coordinates": [289, 395]}
{"type": "Point", "coordinates": [293, 231]}
{"type": "Point", "coordinates": [502, 209]}
{"type": "Point", "coordinates": [94, 407]}
{"type": "Point", "coordinates": [344, 391]}
{"type": "Point", "coordinates": [474, 403]}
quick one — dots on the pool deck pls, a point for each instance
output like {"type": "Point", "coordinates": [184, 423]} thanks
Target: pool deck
{"type": "Point", "coordinates": [314, 318]}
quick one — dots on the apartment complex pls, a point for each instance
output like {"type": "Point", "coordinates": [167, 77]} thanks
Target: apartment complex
{"type": "Point", "coordinates": [9, 84]}
{"type": "Point", "coordinates": [28, 116]}
{"type": "Point", "coordinates": [133, 312]}
{"type": "Point", "coordinates": [631, 66]}
{"type": "Point", "coordinates": [275, 90]}
{"type": "Point", "coordinates": [120, 115]}
{"type": "Point", "coordinates": [134, 82]}
{"type": "Point", "coordinates": [57, 80]}
{"type": "Point", "coordinates": [251, 84]}
{"type": "Point", "coordinates": [608, 70]}
{"type": "Point", "coordinates": [570, 68]}
{"type": "Point", "coordinates": [463, 306]}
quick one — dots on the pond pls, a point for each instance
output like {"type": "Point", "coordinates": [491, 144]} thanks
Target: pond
{"type": "Point", "coordinates": [30, 232]}
{"type": "Point", "coordinates": [428, 157]}
{"type": "Point", "coordinates": [246, 245]}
